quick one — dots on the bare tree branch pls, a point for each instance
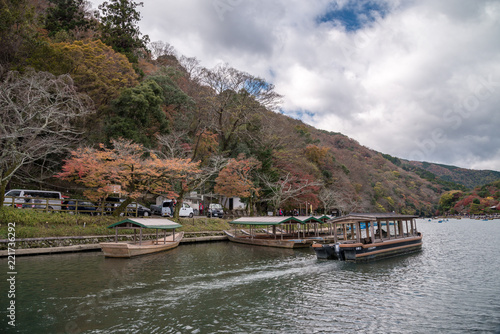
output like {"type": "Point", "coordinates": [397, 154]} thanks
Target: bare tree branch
{"type": "Point", "coordinates": [287, 188]}
{"type": "Point", "coordinates": [236, 97]}
{"type": "Point", "coordinates": [38, 117]}
{"type": "Point", "coordinates": [172, 144]}
{"type": "Point", "coordinates": [341, 198]}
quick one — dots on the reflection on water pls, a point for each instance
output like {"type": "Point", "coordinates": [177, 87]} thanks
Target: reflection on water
{"type": "Point", "coordinates": [451, 286]}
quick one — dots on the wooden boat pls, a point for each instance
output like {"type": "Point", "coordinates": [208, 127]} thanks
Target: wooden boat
{"type": "Point", "coordinates": [140, 247]}
{"type": "Point", "coordinates": [287, 232]}
{"type": "Point", "coordinates": [316, 228]}
{"type": "Point", "coordinates": [384, 235]}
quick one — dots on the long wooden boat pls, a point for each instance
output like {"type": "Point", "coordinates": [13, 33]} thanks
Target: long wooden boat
{"type": "Point", "coordinates": [286, 232]}
{"type": "Point", "coordinates": [261, 240]}
{"type": "Point", "coordinates": [142, 247]}
{"type": "Point", "coordinates": [369, 236]}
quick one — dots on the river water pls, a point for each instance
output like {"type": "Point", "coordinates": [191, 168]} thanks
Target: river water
{"type": "Point", "coordinates": [451, 286]}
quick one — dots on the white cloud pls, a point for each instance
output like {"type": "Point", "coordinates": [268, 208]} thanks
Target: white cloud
{"type": "Point", "coordinates": [421, 81]}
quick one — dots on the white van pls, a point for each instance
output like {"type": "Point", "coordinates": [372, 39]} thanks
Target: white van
{"type": "Point", "coordinates": [39, 199]}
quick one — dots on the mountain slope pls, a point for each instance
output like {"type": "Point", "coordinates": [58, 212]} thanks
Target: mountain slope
{"type": "Point", "coordinates": [468, 177]}
{"type": "Point", "coordinates": [365, 179]}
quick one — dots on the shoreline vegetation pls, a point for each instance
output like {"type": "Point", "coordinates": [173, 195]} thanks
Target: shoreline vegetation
{"type": "Point", "coordinates": [36, 224]}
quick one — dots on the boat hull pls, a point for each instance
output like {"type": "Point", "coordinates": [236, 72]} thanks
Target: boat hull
{"type": "Point", "coordinates": [326, 252]}
{"type": "Point", "coordinates": [270, 242]}
{"type": "Point", "coordinates": [127, 250]}
{"type": "Point", "coordinates": [365, 252]}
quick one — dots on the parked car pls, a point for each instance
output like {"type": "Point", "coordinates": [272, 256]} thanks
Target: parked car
{"type": "Point", "coordinates": [141, 210]}
{"type": "Point", "coordinates": [215, 210]}
{"type": "Point", "coordinates": [166, 209]}
{"type": "Point", "coordinates": [111, 203]}
{"type": "Point", "coordinates": [77, 206]}
{"type": "Point", "coordinates": [39, 199]}
{"type": "Point", "coordinates": [186, 211]}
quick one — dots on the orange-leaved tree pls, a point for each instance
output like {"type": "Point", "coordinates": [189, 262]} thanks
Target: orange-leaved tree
{"type": "Point", "coordinates": [316, 154]}
{"type": "Point", "coordinates": [131, 166]}
{"type": "Point", "coordinates": [236, 179]}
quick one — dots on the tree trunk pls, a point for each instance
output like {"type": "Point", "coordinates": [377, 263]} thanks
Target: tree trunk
{"type": "Point", "coordinates": [3, 186]}
{"type": "Point", "coordinates": [180, 199]}
{"type": "Point", "coordinates": [250, 203]}
{"type": "Point", "coordinates": [122, 207]}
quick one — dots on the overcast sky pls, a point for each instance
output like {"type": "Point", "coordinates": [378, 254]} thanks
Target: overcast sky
{"type": "Point", "coordinates": [418, 79]}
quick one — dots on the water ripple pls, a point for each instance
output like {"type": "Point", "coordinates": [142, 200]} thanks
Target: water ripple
{"type": "Point", "coordinates": [451, 286]}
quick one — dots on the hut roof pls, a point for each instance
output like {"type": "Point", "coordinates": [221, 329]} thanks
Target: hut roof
{"type": "Point", "coordinates": [274, 220]}
{"type": "Point", "coordinates": [162, 223]}
{"type": "Point", "coordinates": [372, 217]}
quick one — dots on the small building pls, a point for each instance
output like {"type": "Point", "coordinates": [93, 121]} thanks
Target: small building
{"type": "Point", "coordinates": [232, 203]}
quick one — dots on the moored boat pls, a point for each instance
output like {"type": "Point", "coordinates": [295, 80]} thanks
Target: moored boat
{"type": "Point", "coordinates": [383, 235]}
{"type": "Point", "coordinates": [283, 232]}
{"type": "Point", "coordinates": [139, 246]}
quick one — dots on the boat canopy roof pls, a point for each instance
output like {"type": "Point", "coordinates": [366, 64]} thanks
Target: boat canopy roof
{"type": "Point", "coordinates": [323, 218]}
{"type": "Point", "coordinates": [269, 220]}
{"type": "Point", "coordinates": [163, 224]}
{"type": "Point", "coordinates": [361, 217]}
{"type": "Point", "coordinates": [309, 219]}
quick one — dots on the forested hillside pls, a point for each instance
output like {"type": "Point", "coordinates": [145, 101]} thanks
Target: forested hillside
{"type": "Point", "coordinates": [75, 80]}
{"type": "Point", "coordinates": [467, 177]}
{"type": "Point", "coordinates": [479, 201]}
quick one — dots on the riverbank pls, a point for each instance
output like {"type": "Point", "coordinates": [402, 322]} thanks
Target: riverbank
{"type": "Point", "coordinates": [52, 245]}
{"type": "Point", "coordinates": [25, 223]}
{"type": "Point", "coordinates": [31, 232]}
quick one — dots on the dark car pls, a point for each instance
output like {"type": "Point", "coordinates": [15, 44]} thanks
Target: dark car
{"type": "Point", "coordinates": [141, 210]}
{"type": "Point", "coordinates": [77, 206]}
{"type": "Point", "coordinates": [214, 210]}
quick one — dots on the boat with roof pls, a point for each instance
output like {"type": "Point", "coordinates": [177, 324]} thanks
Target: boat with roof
{"type": "Point", "coordinates": [139, 246]}
{"type": "Point", "coordinates": [275, 231]}
{"type": "Point", "coordinates": [368, 236]}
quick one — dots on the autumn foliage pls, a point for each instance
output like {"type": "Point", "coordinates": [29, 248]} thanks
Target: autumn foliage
{"type": "Point", "coordinates": [130, 166]}
{"type": "Point", "coordinates": [316, 154]}
{"type": "Point", "coordinates": [481, 200]}
{"type": "Point", "coordinates": [95, 67]}
{"type": "Point", "coordinates": [235, 180]}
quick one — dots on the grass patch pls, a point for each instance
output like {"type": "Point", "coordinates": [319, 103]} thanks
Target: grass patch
{"type": "Point", "coordinates": [203, 224]}
{"type": "Point", "coordinates": [39, 224]}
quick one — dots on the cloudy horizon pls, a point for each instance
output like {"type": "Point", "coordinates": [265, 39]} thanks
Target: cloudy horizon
{"type": "Point", "coordinates": [418, 80]}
